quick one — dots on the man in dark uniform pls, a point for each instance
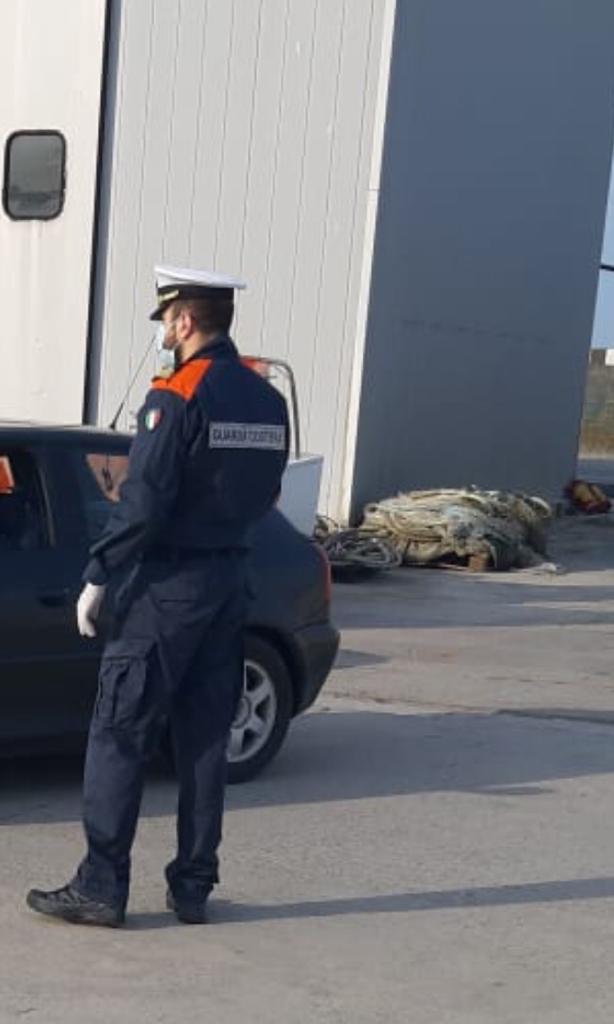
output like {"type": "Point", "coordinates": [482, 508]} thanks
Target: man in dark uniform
{"type": "Point", "coordinates": [205, 465]}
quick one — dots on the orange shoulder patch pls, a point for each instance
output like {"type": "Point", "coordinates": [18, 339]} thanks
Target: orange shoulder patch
{"type": "Point", "coordinates": [255, 364]}
{"type": "Point", "coordinates": [185, 380]}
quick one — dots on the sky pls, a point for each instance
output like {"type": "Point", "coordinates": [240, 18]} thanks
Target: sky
{"type": "Point", "coordinates": [603, 330]}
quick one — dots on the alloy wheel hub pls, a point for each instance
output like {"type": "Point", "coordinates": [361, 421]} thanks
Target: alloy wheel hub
{"type": "Point", "coordinates": [243, 712]}
{"type": "Point", "coordinates": [255, 716]}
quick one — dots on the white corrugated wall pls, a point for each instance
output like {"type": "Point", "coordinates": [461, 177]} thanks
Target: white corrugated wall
{"type": "Point", "coordinates": [50, 80]}
{"type": "Point", "coordinates": [240, 138]}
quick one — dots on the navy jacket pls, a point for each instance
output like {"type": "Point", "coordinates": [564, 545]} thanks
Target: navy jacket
{"type": "Point", "coordinates": [206, 462]}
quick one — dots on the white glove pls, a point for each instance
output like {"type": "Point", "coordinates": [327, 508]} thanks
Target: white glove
{"type": "Point", "coordinates": [88, 606]}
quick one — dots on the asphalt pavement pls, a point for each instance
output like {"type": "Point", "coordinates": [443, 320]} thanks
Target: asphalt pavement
{"type": "Point", "coordinates": [434, 844]}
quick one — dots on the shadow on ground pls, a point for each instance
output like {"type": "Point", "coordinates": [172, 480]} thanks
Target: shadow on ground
{"type": "Point", "coordinates": [227, 912]}
{"type": "Point", "coordinates": [356, 755]}
{"type": "Point", "coordinates": [435, 599]}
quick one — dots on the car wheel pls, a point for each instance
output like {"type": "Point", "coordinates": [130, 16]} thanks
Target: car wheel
{"type": "Point", "coordinates": [264, 711]}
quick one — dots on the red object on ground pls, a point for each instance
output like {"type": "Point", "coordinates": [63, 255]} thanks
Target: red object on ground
{"type": "Point", "coordinates": [588, 498]}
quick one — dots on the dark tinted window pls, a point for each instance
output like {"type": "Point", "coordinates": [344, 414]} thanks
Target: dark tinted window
{"type": "Point", "coordinates": [34, 175]}
{"type": "Point", "coordinates": [23, 520]}
{"type": "Point", "coordinates": [100, 476]}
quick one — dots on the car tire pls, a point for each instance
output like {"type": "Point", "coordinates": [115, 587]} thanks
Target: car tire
{"type": "Point", "coordinates": [264, 711]}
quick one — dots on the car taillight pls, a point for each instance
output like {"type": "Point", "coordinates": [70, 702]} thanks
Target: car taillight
{"type": "Point", "coordinates": [328, 580]}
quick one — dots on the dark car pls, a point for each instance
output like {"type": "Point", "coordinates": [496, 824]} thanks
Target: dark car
{"type": "Point", "coordinates": [57, 486]}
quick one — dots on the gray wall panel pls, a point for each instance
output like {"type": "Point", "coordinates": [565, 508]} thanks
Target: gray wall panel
{"type": "Point", "coordinates": [281, 238]}
{"type": "Point", "coordinates": [239, 121]}
{"type": "Point", "coordinates": [264, 169]}
{"type": "Point", "coordinates": [213, 94]}
{"type": "Point", "coordinates": [315, 216]}
{"type": "Point", "coordinates": [156, 122]}
{"type": "Point", "coordinates": [184, 130]}
{"type": "Point", "coordinates": [335, 311]}
{"type": "Point", "coordinates": [492, 206]}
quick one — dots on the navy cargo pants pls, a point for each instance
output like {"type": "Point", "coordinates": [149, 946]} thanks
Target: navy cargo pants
{"type": "Point", "coordinates": [174, 658]}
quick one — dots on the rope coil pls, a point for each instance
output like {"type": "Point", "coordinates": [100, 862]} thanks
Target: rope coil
{"type": "Point", "coordinates": [354, 547]}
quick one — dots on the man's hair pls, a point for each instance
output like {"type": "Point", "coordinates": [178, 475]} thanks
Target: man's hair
{"type": "Point", "coordinates": [210, 315]}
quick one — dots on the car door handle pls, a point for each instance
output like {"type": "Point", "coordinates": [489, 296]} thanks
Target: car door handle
{"type": "Point", "coordinates": [55, 598]}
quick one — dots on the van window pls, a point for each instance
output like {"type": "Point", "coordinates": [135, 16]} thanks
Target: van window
{"type": "Point", "coordinates": [23, 519]}
{"type": "Point", "coordinates": [34, 175]}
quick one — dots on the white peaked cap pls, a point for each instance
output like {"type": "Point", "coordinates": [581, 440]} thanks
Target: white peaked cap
{"type": "Point", "coordinates": [167, 276]}
{"type": "Point", "coordinates": [182, 283]}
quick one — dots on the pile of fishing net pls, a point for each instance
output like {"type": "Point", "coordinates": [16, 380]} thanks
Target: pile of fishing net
{"type": "Point", "coordinates": [507, 530]}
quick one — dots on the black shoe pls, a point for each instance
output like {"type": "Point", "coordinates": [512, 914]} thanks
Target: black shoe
{"type": "Point", "coordinates": [69, 905]}
{"type": "Point", "coordinates": [188, 913]}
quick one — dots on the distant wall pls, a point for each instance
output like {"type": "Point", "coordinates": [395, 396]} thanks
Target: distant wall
{"type": "Point", "coordinates": [597, 434]}
{"type": "Point", "coordinates": [495, 175]}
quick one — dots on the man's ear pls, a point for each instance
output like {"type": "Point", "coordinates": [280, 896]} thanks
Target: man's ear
{"type": "Point", "coordinates": [185, 319]}
{"type": "Point", "coordinates": [191, 322]}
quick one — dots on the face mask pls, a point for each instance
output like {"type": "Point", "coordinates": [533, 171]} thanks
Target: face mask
{"type": "Point", "coordinates": [160, 336]}
{"type": "Point", "coordinates": [166, 356]}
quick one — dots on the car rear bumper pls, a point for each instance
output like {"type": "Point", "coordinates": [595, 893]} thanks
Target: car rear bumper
{"type": "Point", "coordinates": [316, 648]}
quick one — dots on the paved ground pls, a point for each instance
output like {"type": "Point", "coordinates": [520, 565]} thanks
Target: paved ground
{"type": "Point", "coordinates": [435, 844]}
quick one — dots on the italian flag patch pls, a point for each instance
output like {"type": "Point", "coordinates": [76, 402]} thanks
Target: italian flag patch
{"type": "Point", "coordinates": [152, 418]}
